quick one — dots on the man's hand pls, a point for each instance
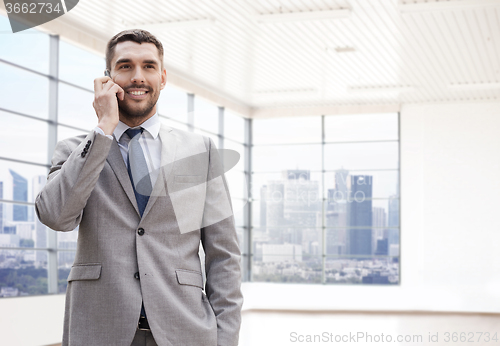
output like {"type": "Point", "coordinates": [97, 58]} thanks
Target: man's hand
{"type": "Point", "coordinates": [106, 103]}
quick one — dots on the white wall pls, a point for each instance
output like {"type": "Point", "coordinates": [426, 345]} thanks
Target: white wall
{"type": "Point", "coordinates": [450, 219]}
{"type": "Point", "coordinates": [450, 167]}
{"type": "Point", "coordinates": [31, 321]}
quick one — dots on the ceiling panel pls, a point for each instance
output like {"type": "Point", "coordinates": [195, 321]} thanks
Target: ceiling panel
{"type": "Point", "coordinates": [382, 54]}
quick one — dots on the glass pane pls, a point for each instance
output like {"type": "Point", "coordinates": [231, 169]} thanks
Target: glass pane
{"type": "Point", "coordinates": [361, 228]}
{"type": "Point", "coordinates": [79, 66]}
{"type": "Point", "coordinates": [287, 130]}
{"type": "Point", "coordinates": [67, 240]}
{"type": "Point", "coordinates": [381, 184]}
{"type": "Point", "coordinates": [237, 184]}
{"type": "Point", "coordinates": [304, 177]}
{"type": "Point", "coordinates": [240, 232]}
{"type": "Point", "coordinates": [64, 132]}
{"type": "Point", "coordinates": [29, 48]}
{"type": "Point", "coordinates": [285, 263]}
{"type": "Point", "coordinates": [308, 238]}
{"type": "Point", "coordinates": [173, 103]}
{"type": "Point", "coordinates": [364, 156]}
{"type": "Point", "coordinates": [65, 260]}
{"type": "Point", "coordinates": [361, 127]}
{"type": "Point", "coordinates": [336, 240]}
{"type": "Point", "coordinates": [234, 126]}
{"type": "Point", "coordinates": [21, 182]}
{"type": "Point", "coordinates": [23, 138]}
{"type": "Point", "coordinates": [378, 213]}
{"type": "Point", "coordinates": [174, 124]}
{"type": "Point", "coordinates": [75, 107]}
{"type": "Point", "coordinates": [287, 202]}
{"type": "Point", "coordinates": [290, 157]}
{"type": "Point", "coordinates": [240, 149]}
{"type": "Point", "coordinates": [259, 209]}
{"type": "Point", "coordinates": [386, 242]}
{"type": "Point", "coordinates": [20, 227]}
{"type": "Point", "coordinates": [378, 271]}
{"type": "Point", "coordinates": [215, 139]}
{"type": "Point", "coordinates": [22, 272]}
{"type": "Point", "coordinates": [392, 211]}
{"type": "Point", "coordinates": [206, 115]}
{"type": "Point", "coordinates": [239, 211]}
{"type": "Point", "coordinates": [23, 91]}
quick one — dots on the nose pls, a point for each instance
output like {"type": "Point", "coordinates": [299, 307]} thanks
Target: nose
{"type": "Point", "coordinates": [138, 76]}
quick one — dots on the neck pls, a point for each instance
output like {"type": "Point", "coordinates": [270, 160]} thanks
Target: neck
{"type": "Point", "coordinates": [136, 121]}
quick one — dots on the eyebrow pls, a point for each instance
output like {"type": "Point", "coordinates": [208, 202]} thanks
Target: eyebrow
{"type": "Point", "coordinates": [124, 61]}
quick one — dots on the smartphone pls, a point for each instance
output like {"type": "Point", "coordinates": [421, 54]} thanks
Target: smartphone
{"type": "Point", "coordinates": [106, 73]}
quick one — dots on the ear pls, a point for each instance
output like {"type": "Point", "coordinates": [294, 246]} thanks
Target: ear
{"type": "Point", "coordinates": [163, 79]}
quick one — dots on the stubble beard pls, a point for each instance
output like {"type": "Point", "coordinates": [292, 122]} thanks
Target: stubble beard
{"type": "Point", "coordinates": [134, 113]}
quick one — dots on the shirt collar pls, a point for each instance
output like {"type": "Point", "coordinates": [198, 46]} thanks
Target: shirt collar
{"type": "Point", "coordinates": [152, 126]}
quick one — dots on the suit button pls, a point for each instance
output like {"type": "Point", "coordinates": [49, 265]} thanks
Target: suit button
{"type": "Point", "coordinates": [140, 231]}
{"type": "Point", "coordinates": [136, 275]}
{"type": "Point", "coordinates": [84, 153]}
{"type": "Point", "coordinates": [87, 145]}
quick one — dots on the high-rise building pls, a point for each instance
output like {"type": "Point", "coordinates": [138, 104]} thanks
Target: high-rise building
{"type": "Point", "coordinates": [302, 203]}
{"type": "Point", "coordinates": [297, 174]}
{"type": "Point", "coordinates": [393, 220]}
{"type": "Point", "coordinates": [290, 207]}
{"type": "Point", "coordinates": [263, 206]}
{"type": "Point", "coordinates": [360, 215]}
{"type": "Point", "coordinates": [19, 193]}
{"type": "Point", "coordinates": [275, 211]}
{"type": "Point", "coordinates": [40, 229]}
{"type": "Point", "coordinates": [393, 225]}
{"type": "Point", "coordinates": [1, 207]}
{"type": "Point", "coordinates": [337, 215]}
{"type": "Point", "coordinates": [341, 184]}
{"type": "Point", "coordinates": [378, 223]}
{"type": "Point", "coordinates": [381, 248]}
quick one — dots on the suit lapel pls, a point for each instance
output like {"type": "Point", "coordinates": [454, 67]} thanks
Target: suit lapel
{"type": "Point", "coordinates": [115, 160]}
{"type": "Point", "coordinates": [168, 147]}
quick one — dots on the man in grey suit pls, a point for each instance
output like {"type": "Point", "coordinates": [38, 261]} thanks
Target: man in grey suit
{"type": "Point", "coordinates": [137, 277]}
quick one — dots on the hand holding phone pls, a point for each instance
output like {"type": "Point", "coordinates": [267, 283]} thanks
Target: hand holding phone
{"type": "Point", "coordinates": [106, 94]}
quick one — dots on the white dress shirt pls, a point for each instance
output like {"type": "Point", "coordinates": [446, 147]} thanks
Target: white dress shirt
{"type": "Point", "coordinates": [149, 140]}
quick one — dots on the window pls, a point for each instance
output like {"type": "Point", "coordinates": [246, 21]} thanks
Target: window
{"type": "Point", "coordinates": [26, 253]}
{"type": "Point", "coordinates": [326, 211]}
{"type": "Point", "coordinates": [206, 115]}
{"type": "Point", "coordinates": [21, 47]}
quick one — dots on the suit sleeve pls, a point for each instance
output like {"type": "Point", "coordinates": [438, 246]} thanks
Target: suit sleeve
{"type": "Point", "coordinates": [75, 169]}
{"type": "Point", "coordinates": [222, 256]}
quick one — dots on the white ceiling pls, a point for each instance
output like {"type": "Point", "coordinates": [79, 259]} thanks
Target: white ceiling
{"type": "Point", "coordinates": [440, 52]}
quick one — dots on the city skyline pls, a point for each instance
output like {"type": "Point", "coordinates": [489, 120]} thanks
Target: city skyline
{"type": "Point", "coordinates": [290, 223]}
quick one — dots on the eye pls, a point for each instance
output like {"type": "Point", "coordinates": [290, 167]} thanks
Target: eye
{"type": "Point", "coordinates": [150, 66]}
{"type": "Point", "coordinates": [123, 66]}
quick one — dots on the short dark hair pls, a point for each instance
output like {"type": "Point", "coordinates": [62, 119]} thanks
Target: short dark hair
{"type": "Point", "coordinates": [135, 35]}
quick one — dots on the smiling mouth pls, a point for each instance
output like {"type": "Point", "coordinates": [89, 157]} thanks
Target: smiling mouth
{"type": "Point", "coordinates": [137, 93]}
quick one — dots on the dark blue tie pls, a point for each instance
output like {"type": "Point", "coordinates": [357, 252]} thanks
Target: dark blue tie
{"type": "Point", "coordinates": [138, 169]}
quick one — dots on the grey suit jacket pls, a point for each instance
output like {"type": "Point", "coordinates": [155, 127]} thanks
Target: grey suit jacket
{"type": "Point", "coordinates": [190, 202]}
